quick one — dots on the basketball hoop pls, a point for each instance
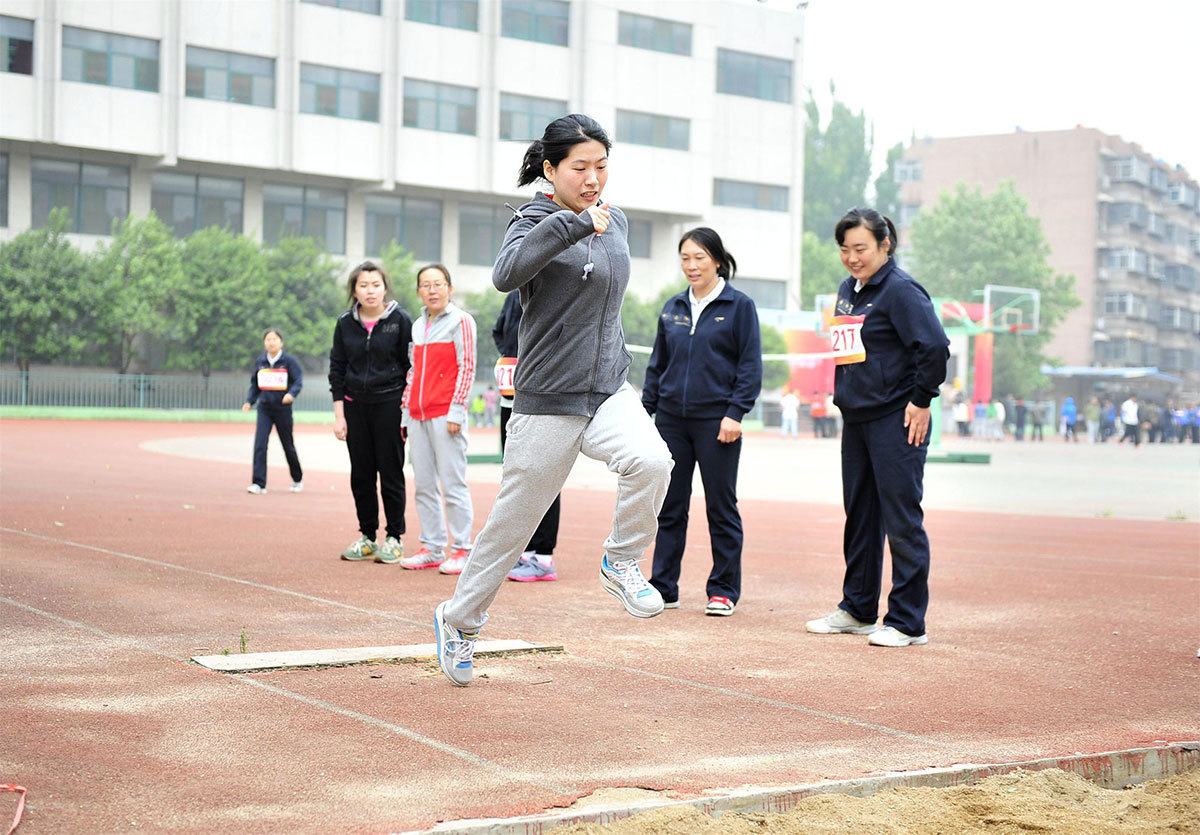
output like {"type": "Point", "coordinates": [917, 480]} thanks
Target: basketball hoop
{"type": "Point", "coordinates": [1019, 328]}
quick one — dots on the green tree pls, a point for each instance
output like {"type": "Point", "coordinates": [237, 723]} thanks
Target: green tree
{"type": "Point", "coordinates": [223, 304]}
{"type": "Point", "coordinates": [639, 321]}
{"type": "Point", "coordinates": [400, 267]}
{"type": "Point", "coordinates": [485, 306]}
{"type": "Point", "coordinates": [969, 240]}
{"type": "Point", "coordinates": [775, 372]}
{"type": "Point", "coordinates": [304, 297]}
{"type": "Point", "coordinates": [138, 272]}
{"type": "Point", "coordinates": [48, 295]}
{"type": "Point", "coordinates": [887, 190]}
{"type": "Point", "coordinates": [837, 165]}
{"type": "Point", "coordinates": [821, 266]}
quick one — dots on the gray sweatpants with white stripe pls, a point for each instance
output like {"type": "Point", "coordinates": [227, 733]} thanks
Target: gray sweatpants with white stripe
{"type": "Point", "coordinates": [439, 462]}
{"type": "Point", "coordinates": [538, 456]}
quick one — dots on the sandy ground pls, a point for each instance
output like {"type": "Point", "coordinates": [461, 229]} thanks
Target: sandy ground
{"type": "Point", "coordinates": [1020, 802]}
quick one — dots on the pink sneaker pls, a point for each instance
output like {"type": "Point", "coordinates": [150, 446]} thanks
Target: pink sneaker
{"type": "Point", "coordinates": [532, 570]}
{"type": "Point", "coordinates": [423, 558]}
{"type": "Point", "coordinates": [456, 562]}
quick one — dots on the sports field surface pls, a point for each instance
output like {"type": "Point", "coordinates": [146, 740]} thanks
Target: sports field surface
{"type": "Point", "coordinates": [1064, 622]}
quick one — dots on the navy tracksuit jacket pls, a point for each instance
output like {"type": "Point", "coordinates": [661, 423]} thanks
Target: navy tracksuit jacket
{"type": "Point", "coordinates": [695, 378]}
{"type": "Point", "coordinates": [882, 474]}
{"type": "Point", "coordinates": [272, 411]}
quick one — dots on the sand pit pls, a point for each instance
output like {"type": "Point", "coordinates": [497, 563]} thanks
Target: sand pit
{"type": "Point", "coordinates": [1021, 802]}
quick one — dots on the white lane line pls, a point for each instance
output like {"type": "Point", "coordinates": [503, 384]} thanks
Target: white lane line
{"type": "Point", "coordinates": [738, 694]}
{"type": "Point", "coordinates": [263, 586]}
{"type": "Point", "coordinates": [137, 645]}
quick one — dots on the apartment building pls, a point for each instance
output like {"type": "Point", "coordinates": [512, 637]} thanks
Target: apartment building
{"type": "Point", "coordinates": [360, 122]}
{"type": "Point", "coordinates": [1126, 224]}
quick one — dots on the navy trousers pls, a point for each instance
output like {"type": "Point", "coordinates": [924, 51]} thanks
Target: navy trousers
{"type": "Point", "coordinates": [882, 484]}
{"type": "Point", "coordinates": [281, 418]}
{"type": "Point", "coordinates": [375, 446]}
{"type": "Point", "coordinates": [694, 441]}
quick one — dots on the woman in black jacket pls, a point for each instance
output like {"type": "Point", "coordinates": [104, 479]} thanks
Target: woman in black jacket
{"type": "Point", "coordinates": [705, 373]}
{"type": "Point", "coordinates": [368, 365]}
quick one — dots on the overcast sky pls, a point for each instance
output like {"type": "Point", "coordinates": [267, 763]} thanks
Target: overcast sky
{"type": "Point", "coordinates": [968, 67]}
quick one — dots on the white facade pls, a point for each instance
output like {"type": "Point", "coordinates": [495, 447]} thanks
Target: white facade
{"type": "Point", "coordinates": [741, 138]}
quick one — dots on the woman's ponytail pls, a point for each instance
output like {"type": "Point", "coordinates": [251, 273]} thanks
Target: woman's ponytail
{"type": "Point", "coordinates": [531, 165]}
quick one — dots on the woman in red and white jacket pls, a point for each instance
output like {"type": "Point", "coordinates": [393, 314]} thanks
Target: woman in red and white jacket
{"type": "Point", "coordinates": [442, 369]}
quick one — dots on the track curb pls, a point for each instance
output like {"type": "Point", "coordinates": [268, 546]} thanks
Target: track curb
{"type": "Point", "coordinates": [1108, 769]}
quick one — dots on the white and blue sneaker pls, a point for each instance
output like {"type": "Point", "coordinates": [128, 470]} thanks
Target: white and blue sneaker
{"type": "Point", "coordinates": [455, 649]}
{"type": "Point", "coordinates": [623, 580]}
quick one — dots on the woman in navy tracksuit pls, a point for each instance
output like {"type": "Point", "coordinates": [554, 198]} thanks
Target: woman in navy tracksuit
{"type": "Point", "coordinates": [705, 373]}
{"type": "Point", "coordinates": [276, 381]}
{"type": "Point", "coordinates": [890, 353]}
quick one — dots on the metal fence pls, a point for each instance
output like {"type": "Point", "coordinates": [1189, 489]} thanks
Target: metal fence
{"type": "Point", "coordinates": [67, 387]}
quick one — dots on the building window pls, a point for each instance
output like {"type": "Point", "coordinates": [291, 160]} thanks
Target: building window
{"type": "Point", "coordinates": [433, 106]}
{"type": "Point", "coordinates": [187, 202]}
{"type": "Point", "coordinates": [1176, 359]}
{"type": "Point", "coordinates": [1129, 169]}
{"type": "Point", "coordinates": [525, 117]}
{"type": "Point", "coordinates": [908, 213]}
{"type": "Point", "coordinates": [3, 190]}
{"type": "Point", "coordinates": [1156, 267]}
{"type": "Point", "coordinates": [16, 44]}
{"type": "Point", "coordinates": [295, 211]}
{"type": "Point", "coordinates": [1128, 258]}
{"type": "Point", "coordinates": [651, 129]}
{"type": "Point", "coordinates": [756, 76]}
{"type": "Point", "coordinates": [1181, 275]}
{"type": "Point", "coordinates": [908, 171]}
{"type": "Point", "coordinates": [765, 292]}
{"type": "Point", "coordinates": [347, 94]}
{"type": "Point", "coordinates": [544, 21]}
{"type": "Point", "coordinates": [654, 33]}
{"type": "Point", "coordinates": [480, 232]}
{"type": "Point", "coordinates": [1175, 318]}
{"type": "Point", "coordinates": [640, 233]}
{"type": "Point", "coordinates": [1125, 304]}
{"type": "Point", "coordinates": [750, 195]}
{"type": "Point", "coordinates": [229, 76]}
{"type": "Point", "coordinates": [1182, 194]}
{"type": "Point", "coordinates": [457, 14]}
{"type": "Point", "coordinates": [113, 60]}
{"type": "Point", "coordinates": [414, 223]}
{"type": "Point", "coordinates": [368, 6]}
{"type": "Point", "coordinates": [1158, 178]}
{"type": "Point", "coordinates": [95, 195]}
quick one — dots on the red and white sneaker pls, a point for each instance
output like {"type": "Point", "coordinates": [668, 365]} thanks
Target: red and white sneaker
{"type": "Point", "coordinates": [456, 562]}
{"type": "Point", "coordinates": [720, 606]}
{"type": "Point", "coordinates": [423, 558]}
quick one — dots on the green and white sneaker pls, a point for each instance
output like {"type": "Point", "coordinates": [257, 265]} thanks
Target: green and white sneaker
{"type": "Point", "coordinates": [390, 551]}
{"type": "Point", "coordinates": [360, 549]}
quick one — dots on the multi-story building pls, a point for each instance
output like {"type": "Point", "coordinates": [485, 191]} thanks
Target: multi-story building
{"type": "Point", "coordinates": [364, 121]}
{"type": "Point", "coordinates": [1124, 223]}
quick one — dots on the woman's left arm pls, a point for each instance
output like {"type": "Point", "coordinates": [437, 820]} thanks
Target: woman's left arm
{"type": "Point", "coordinates": [747, 378]}
{"type": "Point", "coordinates": [297, 375]}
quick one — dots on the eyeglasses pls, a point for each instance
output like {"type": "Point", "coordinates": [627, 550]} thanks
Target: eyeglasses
{"type": "Point", "coordinates": [440, 285]}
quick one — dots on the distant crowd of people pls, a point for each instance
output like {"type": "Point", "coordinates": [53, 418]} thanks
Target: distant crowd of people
{"type": "Point", "coordinates": [1097, 420]}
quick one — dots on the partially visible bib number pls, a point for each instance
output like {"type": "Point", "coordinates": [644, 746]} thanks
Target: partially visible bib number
{"type": "Point", "coordinates": [845, 337]}
{"type": "Point", "coordinates": [272, 379]}
{"type": "Point", "coordinates": [506, 368]}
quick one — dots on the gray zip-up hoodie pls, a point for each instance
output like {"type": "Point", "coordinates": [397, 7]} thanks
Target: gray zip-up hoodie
{"type": "Point", "coordinates": [571, 348]}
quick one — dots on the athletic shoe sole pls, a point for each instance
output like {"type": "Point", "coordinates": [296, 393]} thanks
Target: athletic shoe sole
{"type": "Point", "coordinates": [538, 579]}
{"type": "Point", "coordinates": [357, 557]}
{"type": "Point", "coordinates": [613, 588]}
{"type": "Point", "coordinates": [421, 567]}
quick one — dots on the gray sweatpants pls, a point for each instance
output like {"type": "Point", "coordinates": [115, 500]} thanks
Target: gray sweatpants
{"type": "Point", "coordinates": [538, 456]}
{"type": "Point", "coordinates": [439, 462]}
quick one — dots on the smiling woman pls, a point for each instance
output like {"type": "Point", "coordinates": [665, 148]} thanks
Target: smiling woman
{"type": "Point", "coordinates": [890, 354]}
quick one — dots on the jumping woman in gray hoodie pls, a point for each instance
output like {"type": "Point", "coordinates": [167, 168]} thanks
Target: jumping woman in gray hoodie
{"type": "Point", "coordinates": [566, 254]}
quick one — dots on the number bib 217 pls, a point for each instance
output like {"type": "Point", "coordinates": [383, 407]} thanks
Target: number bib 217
{"type": "Point", "coordinates": [845, 337]}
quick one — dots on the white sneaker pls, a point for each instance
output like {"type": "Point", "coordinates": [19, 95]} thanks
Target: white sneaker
{"type": "Point", "coordinates": [297, 486]}
{"type": "Point", "coordinates": [256, 490]}
{"type": "Point", "coordinates": [839, 622]}
{"type": "Point", "coordinates": [623, 579]}
{"type": "Point", "coordinates": [455, 563]}
{"type": "Point", "coordinates": [890, 636]}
